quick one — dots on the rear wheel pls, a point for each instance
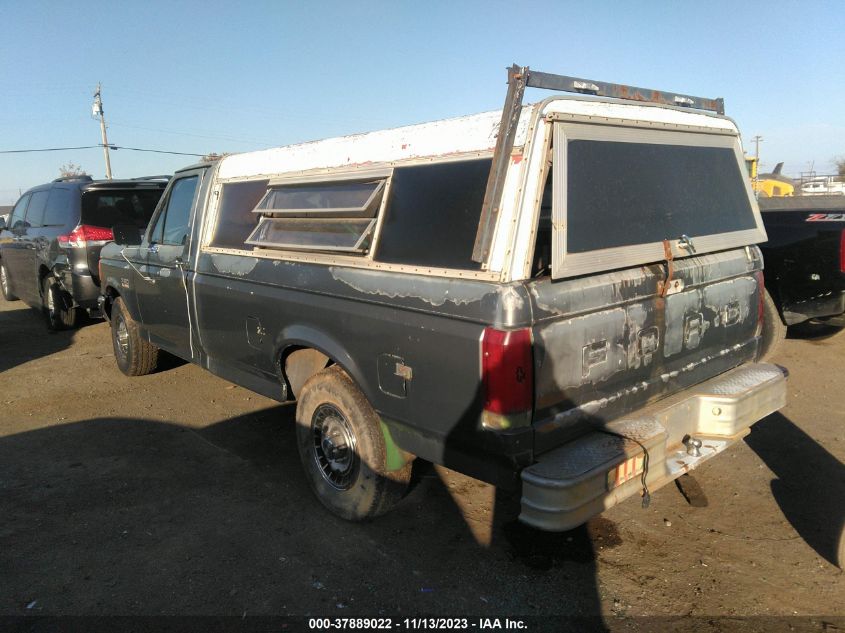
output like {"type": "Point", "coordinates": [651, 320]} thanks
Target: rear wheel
{"type": "Point", "coordinates": [774, 329]}
{"type": "Point", "coordinates": [4, 284]}
{"type": "Point", "coordinates": [58, 306]}
{"type": "Point", "coordinates": [134, 355]}
{"type": "Point", "coordinates": [343, 450]}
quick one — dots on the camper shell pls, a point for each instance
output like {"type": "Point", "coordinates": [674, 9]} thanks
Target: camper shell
{"type": "Point", "coordinates": [511, 294]}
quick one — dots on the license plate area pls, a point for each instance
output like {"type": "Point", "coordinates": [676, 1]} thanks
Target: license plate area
{"type": "Point", "coordinates": [626, 471]}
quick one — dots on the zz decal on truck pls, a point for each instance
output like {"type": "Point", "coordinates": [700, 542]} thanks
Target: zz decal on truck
{"type": "Point", "coordinates": [826, 217]}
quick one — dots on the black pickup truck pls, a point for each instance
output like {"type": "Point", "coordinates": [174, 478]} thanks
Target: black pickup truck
{"type": "Point", "coordinates": [517, 296]}
{"type": "Point", "coordinates": [805, 257]}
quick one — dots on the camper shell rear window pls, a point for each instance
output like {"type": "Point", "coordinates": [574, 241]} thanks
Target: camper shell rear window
{"type": "Point", "coordinates": [622, 196]}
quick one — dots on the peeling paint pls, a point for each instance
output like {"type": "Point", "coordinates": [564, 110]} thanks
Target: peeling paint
{"type": "Point", "coordinates": [237, 265]}
{"type": "Point", "coordinates": [434, 291]}
{"type": "Point", "coordinates": [431, 290]}
{"type": "Point", "coordinates": [572, 356]}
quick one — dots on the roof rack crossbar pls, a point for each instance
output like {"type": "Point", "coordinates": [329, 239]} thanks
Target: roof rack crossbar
{"type": "Point", "coordinates": [522, 77]}
{"type": "Point", "coordinates": [563, 83]}
{"type": "Point", "coordinates": [157, 177]}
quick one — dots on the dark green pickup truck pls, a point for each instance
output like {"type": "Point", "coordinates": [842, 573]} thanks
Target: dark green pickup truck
{"type": "Point", "coordinates": [563, 298]}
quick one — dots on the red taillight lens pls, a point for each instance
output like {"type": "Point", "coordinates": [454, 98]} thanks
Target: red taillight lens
{"type": "Point", "coordinates": [761, 302]}
{"type": "Point", "coordinates": [842, 252]}
{"type": "Point", "coordinates": [507, 374]}
{"type": "Point", "coordinates": [84, 234]}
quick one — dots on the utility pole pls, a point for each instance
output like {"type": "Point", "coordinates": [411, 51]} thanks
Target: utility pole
{"type": "Point", "coordinates": [756, 140]}
{"type": "Point", "coordinates": [97, 110]}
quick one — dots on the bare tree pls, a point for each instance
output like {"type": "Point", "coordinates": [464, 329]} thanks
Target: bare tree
{"type": "Point", "coordinates": [69, 170]}
{"type": "Point", "coordinates": [213, 156]}
{"type": "Point", "coordinates": [840, 166]}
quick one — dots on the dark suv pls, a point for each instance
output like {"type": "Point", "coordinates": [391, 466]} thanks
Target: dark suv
{"type": "Point", "coordinates": [50, 246]}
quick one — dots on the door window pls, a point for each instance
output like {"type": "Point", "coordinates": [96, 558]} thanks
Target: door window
{"type": "Point", "coordinates": [16, 221]}
{"type": "Point", "coordinates": [171, 226]}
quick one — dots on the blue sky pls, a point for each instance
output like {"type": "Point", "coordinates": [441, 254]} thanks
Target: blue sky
{"type": "Point", "coordinates": [212, 76]}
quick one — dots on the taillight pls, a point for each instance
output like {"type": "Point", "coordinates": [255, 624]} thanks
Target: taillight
{"type": "Point", "coordinates": [507, 376]}
{"type": "Point", "coordinates": [85, 235]}
{"type": "Point", "coordinates": [761, 302]}
{"type": "Point", "coordinates": [842, 252]}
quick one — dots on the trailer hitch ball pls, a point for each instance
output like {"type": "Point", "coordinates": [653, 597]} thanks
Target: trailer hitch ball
{"type": "Point", "coordinates": [693, 445]}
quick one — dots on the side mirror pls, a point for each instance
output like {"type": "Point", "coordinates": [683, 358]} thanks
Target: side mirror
{"type": "Point", "coordinates": [126, 234]}
{"type": "Point", "coordinates": [2, 223]}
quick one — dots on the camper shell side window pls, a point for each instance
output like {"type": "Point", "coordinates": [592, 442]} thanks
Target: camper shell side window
{"type": "Point", "coordinates": [327, 216]}
{"type": "Point", "coordinates": [410, 215]}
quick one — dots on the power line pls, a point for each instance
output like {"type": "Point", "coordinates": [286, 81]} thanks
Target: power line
{"type": "Point", "coordinates": [113, 147]}
{"type": "Point", "coordinates": [156, 151]}
{"type": "Point", "coordinates": [47, 149]}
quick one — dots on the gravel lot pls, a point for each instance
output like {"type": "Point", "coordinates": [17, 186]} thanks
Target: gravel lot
{"type": "Point", "coordinates": [179, 493]}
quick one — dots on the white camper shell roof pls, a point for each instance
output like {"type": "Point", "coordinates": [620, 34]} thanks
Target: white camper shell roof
{"type": "Point", "coordinates": [459, 137]}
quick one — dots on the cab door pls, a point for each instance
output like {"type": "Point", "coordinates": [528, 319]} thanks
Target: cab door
{"type": "Point", "coordinates": [163, 297]}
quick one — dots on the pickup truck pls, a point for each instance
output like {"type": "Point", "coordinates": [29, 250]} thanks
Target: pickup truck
{"type": "Point", "coordinates": [805, 258]}
{"type": "Point", "coordinates": [562, 298]}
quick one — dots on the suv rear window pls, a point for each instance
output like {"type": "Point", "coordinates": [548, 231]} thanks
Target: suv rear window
{"type": "Point", "coordinates": [108, 208]}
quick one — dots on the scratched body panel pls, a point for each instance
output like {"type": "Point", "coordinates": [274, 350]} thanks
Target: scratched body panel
{"type": "Point", "coordinates": [432, 324]}
{"type": "Point", "coordinates": [608, 344]}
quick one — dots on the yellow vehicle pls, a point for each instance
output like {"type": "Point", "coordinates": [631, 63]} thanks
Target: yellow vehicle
{"type": "Point", "coordinates": [773, 185]}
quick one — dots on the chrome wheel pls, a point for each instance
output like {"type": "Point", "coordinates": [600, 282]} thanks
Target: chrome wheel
{"type": "Point", "coordinates": [334, 447]}
{"type": "Point", "coordinates": [121, 337]}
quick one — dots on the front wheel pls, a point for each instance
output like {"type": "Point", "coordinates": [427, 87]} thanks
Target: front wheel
{"type": "Point", "coordinates": [343, 450]}
{"type": "Point", "coordinates": [57, 306]}
{"type": "Point", "coordinates": [8, 295]}
{"type": "Point", "coordinates": [134, 355]}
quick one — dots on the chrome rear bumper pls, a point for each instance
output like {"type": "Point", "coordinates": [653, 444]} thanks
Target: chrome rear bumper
{"type": "Point", "coordinates": [569, 485]}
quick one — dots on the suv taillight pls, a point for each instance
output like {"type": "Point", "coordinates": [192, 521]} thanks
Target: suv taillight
{"type": "Point", "coordinates": [83, 235]}
{"type": "Point", "coordinates": [507, 377]}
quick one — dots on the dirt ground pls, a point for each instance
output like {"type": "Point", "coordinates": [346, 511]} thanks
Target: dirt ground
{"type": "Point", "coordinates": [179, 493]}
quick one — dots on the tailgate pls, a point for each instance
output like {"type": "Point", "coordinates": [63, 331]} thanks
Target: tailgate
{"type": "Point", "coordinates": [607, 344]}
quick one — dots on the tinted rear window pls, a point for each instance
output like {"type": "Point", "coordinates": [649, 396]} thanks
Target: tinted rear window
{"type": "Point", "coordinates": [621, 194]}
{"type": "Point", "coordinates": [432, 215]}
{"type": "Point", "coordinates": [59, 211]}
{"type": "Point", "coordinates": [108, 208]}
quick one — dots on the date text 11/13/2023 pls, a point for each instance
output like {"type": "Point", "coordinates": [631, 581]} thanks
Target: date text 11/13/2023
{"type": "Point", "coordinates": [429, 624]}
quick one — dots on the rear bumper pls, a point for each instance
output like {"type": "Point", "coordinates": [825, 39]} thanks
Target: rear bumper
{"type": "Point", "coordinates": [830, 305]}
{"type": "Point", "coordinates": [581, 479]}
{"type": "Point", "coordinates": [82, 288]}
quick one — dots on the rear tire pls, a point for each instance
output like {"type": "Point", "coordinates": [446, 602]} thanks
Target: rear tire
{"type": "Point", "coordinates": [134, 355]}
{"type": "Point", "coordinates": [774, 329]}
{"type": "Point", "coordinates": [343, 450]}
{"type": "Point", "coordinates": [54, 304]}
{"type": "Point", "coordinates": [8, 295]}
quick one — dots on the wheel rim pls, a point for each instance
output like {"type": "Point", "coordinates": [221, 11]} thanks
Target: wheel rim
{"type": "Point", "coordinates": [51, 302]}
{"type": "Point", "coordinates": [3, 281]}
{"type": "Point", "coordinates": [121, 337]}
{"type": "Point", "coordinates": [334, 447]}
